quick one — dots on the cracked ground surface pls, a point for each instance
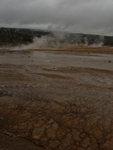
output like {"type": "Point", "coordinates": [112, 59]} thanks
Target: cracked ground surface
{"type": "Point", "coordinates": [57, 101]}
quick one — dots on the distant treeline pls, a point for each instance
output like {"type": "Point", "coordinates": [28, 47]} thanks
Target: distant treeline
{"type": "Point", "coordinates": [16, 36]}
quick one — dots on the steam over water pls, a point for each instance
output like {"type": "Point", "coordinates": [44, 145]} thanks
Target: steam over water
{"type": "Point", "coordinates": [61, 40]}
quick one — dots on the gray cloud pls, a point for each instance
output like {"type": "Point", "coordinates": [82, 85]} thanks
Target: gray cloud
{"type": "Point", "coordinates": [87, 16]}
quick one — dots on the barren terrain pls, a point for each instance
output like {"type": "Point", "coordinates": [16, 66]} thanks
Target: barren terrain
{"type": "Point", "coordinates": [56, 99]}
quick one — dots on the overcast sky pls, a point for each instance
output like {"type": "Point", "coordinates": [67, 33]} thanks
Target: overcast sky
{"type": "Point", "coordinates": [79, 16]}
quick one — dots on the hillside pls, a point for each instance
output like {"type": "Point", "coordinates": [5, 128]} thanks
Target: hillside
{"type": "Point", "coordinates": [16, 36]}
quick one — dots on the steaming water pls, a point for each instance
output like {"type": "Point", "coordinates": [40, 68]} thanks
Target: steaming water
{"type": "Point", "coordinates": [59, 40]}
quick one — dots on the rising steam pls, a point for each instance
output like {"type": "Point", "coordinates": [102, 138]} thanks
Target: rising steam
{"type": "Point", "coordinates": [61, 40]}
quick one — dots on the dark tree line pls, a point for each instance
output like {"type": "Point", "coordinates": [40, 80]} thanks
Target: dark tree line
{"type": "Point", "coordinates": [16, 36]}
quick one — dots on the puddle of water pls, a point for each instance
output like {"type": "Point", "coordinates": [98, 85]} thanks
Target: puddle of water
{"type": "Point", "coordinates": [102, 61]}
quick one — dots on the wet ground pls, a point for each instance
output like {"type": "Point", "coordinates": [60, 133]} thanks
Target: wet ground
{"type": "Point", "coordinates": [56, 100]}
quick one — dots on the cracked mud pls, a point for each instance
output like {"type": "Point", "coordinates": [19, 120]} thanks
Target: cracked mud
{"type": "Point", "coordinates": [52, 101]}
